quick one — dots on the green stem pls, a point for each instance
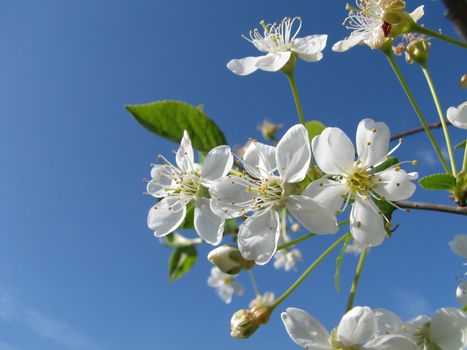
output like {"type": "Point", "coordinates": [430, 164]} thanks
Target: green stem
{"type": "Point", "coordinates": [305, 237]}
{"type": "Point", "coordinates": [423, 30]}
{"type": "Point", "coordinates": [358, 272]}
{"type": "Point", "coordinates": [294, 286]}
{"type": "Point", "coordinates": [431, 85]}
{"type": "Point", "coordinates": [415, 106]}
{"type": "Point", "coordinates": [464, 164]}
{"type": "Point", "coordinates": [253, 282]}
{"type": "Point", "coordinates": [284, 223]}
{"type": "Point", "coordinates": [291, 76]}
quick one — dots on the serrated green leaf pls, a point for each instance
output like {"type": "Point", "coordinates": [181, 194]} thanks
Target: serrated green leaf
{"type": "Point", "coordinates": [314, 128]}
{"type": "Point", "coordinates": [188, 222]}
{"type": "Point", "coordinates": [170, 118]}
{"type": "Point", "coordinates": [461, 144]}
{"type": "Point", "coordinates": [438, 182]}
{"type": "Point", "coordinates": [181, 261]}
{"type": "Point", "coordinates": [339, 260]}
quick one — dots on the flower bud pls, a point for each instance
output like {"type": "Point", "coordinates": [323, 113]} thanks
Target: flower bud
{"type": "Point", "coordinates": [269, 129]}
{"type": "Point", "coordinates": [418, 51]}
{"type": "Point", "coordinates": [229, 260]}
{"type": "Point", "coordinates": [463, 83]}
{"type": "Point", "coordinates": [245, 322]}
{"type": "Point", "coordinates": [295, 227]}
{"type": "Point", "coordinates": [242, 324]}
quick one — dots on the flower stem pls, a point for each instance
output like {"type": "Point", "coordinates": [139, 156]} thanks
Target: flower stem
{"type": "Point", "coordinates": [294, 286]}
{"type": "Point", "coordinates": [423, 30]}
{"type": "Point", "coordinates": [291, 76]}
{"type": "Point", "coordinates": [464, 164]}
{"type": "Point", "coordinates": [415, 106]}
{"type": "Point", "coordinates": [253, 282]}
{"type": "Point", "coordinates": [358, 272]}
{"type": "Point", "coordinates": [431, 85]}
{"type": "Point", "coordinates": [304, 237]}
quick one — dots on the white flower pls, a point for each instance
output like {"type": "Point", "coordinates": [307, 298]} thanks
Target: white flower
{"type": "Point", "coordinates": [461, 293]}
{"type": "Point", "coordinates": [264, 299]}
{"type": "Point", "coordinates": [458, 116]}
{"type": "Point", "coordinates": [286, 259]}
{"type": "Point", "coordinates": [181, 184]}
{"type": "Point", "coordinates": [358, 329]}
{"type": "Point", "coordinates": [459, 245]}
{"type": "Point", "coordinates": [445, 330]}
{"type": "Point", "coordinates": [349, 179]}
{"type": "Point", "coordinates": [268, 185]}
{"type": "Point", "coordinates": [224, 284]}
{"type": "Point", "coordinates": [367, 24]}
{"type": "Point", "coordinates": [280, 43]}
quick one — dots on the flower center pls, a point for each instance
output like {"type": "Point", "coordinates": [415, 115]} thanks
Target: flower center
{"type": "Point", "coordinates": [360, 180]}
{"type": "Point", "coordinates": [276, 37]}
{"type": "Point", "coordinates": [270, 193]}
{"type": "Point", "coordinates": [189, 184]}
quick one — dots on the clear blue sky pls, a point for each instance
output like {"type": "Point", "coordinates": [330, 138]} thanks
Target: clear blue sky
{"type": "Point", "coordinates": [79, 269]}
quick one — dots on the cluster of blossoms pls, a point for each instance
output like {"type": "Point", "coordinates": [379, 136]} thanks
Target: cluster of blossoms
{"type": "Point", "coordinates": [310, 182]}
{"type": "Point", "coordinates": [270, 183]}
{"type": "Point", "coordinates": [364, 328]}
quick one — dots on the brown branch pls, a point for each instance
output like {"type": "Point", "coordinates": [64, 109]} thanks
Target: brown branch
{"type": "Point", "coordinates": [457, 13]}
{"type": "Point", "coordinates": [432, 207]}
{"type": "Point", "coordinates": [416, 130]}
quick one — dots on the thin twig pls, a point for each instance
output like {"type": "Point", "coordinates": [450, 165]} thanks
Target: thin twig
{"type": "Point", "coordinates": [416, 130]}
{"type": "Point", "coordinates": [432, 207]}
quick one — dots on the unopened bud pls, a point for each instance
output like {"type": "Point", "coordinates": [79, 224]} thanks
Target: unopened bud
{"type": "Point", "coordinates": [229, 260]}
{"type": "Point", "coordinates": [245, 322]}
{"type": "Point", "coordinates": [269, 129]}
{"type": "Point", "coordinates": [418, 51]}
{"type": "Point", "coordinates": [463, 83]}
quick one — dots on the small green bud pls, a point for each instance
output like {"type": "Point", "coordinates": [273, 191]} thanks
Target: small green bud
{"type": "Point", "coordinates": [242, 324]}
{"type": "Point", "coordinates": [229, 260]}
{"type": "Point", "coordinates": [418, 51]}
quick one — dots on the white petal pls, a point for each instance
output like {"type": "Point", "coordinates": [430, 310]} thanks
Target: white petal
{"type": "Point", "coordinates": [305, 330]}
{"type": "Point", "coordinates": [448, 328]}
{"type": "Point", "coordinates": [333, 151]}
{"type": "Point", "coordinates": [293, 154]}
{"type": "Point", "coordinates": [217, 163]}
{"type": "Point", "coordinates": [366, 225]}
{"type": "Point", "coordinates": [372, 141]}
{"type": "Point", "coordinates": [357, 326]}
{"type": "Point", "coordinates": [166, 216]}
{"type": "Point", "coordinates": [258, 236]}
{"type": "Point", "coordinates": [349, 42]}
{"type": "Point", "coordinates": [274, 61]}
{"type": "Point", "coordinates": [161, 178]}
{"type": "Point", "coordinates": [388, 322]}
{"type": "Point", "coordinates": [327, 193]}
{"type": "Point", "coordinates": [309, 48]}
{"type": "Point", "coordinates": [243, 66]}
{"type": "Point", "coordinates": [391, 342]}
{"type": "Point", "coordinates": [229, 196]}
{"type": "Point", "coordinates": [311, 215]}
{"type": "Point", "coordinates": [458, 116]}
{"type": "Point", "coordinates": [208, 225]}
{"type": "Point", "coordinates": [459, 245]}
{"type": "Point", "coordinates": [259, 159]}
{"type": "Point", "coordinates": [461, 293]}
{"type": "Point", "coordinates": [185, 157]}
{"type": "Point", "coordinates": [417, 13]}
{"type": "Point", "coordinates": [394, 185]}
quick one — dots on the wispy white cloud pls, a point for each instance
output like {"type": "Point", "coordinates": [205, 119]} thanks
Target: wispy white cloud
{"type": "Point", "coordinates": [39, 324]}
{"type": "Point", "coordinates": [411, 304]}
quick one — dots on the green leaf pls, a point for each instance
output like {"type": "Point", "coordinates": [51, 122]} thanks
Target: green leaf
{"type": "Point", "coordinates": [188, 222]}
{"type": "Point", "coordinates": [461, 144]}
{"type": "Point", "coordinates": [314, 128]}
{"type": "Point", "coordinates": [170, 118]}
{"type": "Point", "coordinates": [339, 260]}
{"type": "Point", "coordinates": [438, 182]}
{"type": "Point", "coordinates": [230, 226]}
{"type": "Point", "coordinates": [391, 161]}
{"type": "Point", "coordinates": [181, 261]}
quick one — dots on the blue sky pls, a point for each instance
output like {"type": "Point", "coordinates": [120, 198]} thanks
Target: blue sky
{"type": "Point", "coordinates": [79, 269]}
